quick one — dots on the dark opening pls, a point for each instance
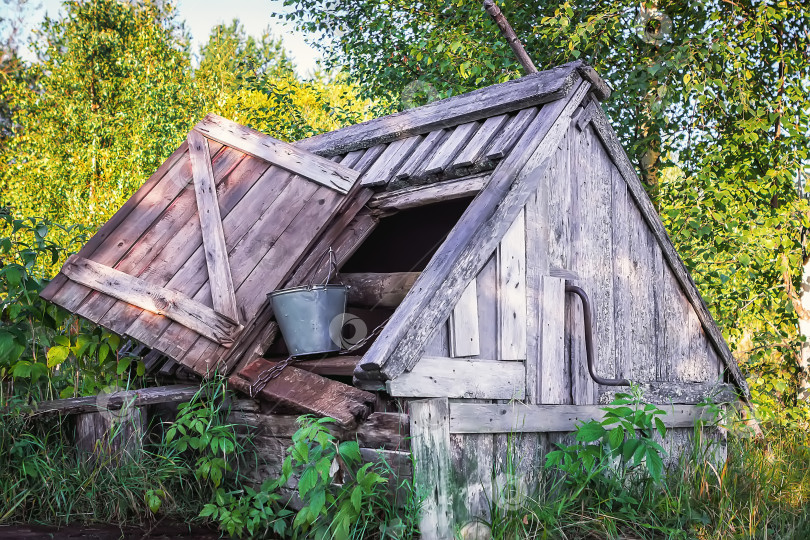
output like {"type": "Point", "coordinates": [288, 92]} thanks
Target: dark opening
{"type": "Point", "coordinates": [406, 241]}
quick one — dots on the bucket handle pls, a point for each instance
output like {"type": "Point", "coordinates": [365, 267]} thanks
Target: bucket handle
{"type": "Point", "coordinates": [332, 266]}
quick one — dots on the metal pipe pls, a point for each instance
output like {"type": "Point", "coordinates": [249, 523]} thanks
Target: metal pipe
{"type": "Point", "coordinates": [589, 352]}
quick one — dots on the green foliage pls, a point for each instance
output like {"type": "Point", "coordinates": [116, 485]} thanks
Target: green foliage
{"type": "Point", "coordinates": [604, 463]}
{"type": "Point", "coordinates": [320, 461]}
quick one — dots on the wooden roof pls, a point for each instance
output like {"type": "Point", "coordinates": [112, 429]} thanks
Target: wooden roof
{"type": "Point", "coordinates": [185, 265]}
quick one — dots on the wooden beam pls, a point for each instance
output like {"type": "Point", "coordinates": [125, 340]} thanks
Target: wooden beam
{"type": "Point", "coordinates": [430, 446]}
{"type": "Point", "coordinates": [459, 378]}
{"type": "Point", "coordinates": [213, 236]}
{"type": "Point", "coordinates": [307, 392]}
{"type": "Point", "coordinates": [614, 148]}
{"type": "Point", "coordinates": [679, 393]}
{"type": "Point", "coordinates": [470, 243]}
{"type": "Point", "coordinates": [190, 313]}
{"type": "Point", "coordinates": [555, 373]}
{"type": "Point", "coordinates": [519, 418]}
{"type": "Point", "coordinates": [338, 366]}
{"type": "Point", "coordinates": [376, 290]}
{"type": "Point", "coordinates": [287, 156]}
{"type": "Point", "coordinates": [535, 89]}
{"type": "Point", "coordinates": [178, 393]}
{"type": "Point", "coordinates": [416, 196]}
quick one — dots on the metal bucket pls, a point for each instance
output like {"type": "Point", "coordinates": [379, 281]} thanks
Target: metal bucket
{"type": "Point", "coordinates": [305, 315]}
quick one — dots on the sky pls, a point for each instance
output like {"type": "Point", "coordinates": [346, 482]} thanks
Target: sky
{"type": "Point", "coordinates": [202, 15]}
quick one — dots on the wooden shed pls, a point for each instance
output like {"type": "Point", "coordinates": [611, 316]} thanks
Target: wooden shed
{"type": "Point", "coordinates": [470, 229]}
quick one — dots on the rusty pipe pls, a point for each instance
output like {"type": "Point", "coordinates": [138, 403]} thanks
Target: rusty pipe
{"type": "Point", "coordinates": [589, 351]}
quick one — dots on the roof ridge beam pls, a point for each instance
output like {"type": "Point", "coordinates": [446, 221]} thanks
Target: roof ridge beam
{"type": "Point", "coordinates": [527, 91]}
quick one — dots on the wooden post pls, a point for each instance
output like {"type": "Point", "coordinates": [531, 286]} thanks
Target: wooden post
{"type": "Point", "coordinates": [430, 444]}
{"type": "Point", "coordinates": [115, 435]}
{"type": "Point", "coordinates": [511, 38]}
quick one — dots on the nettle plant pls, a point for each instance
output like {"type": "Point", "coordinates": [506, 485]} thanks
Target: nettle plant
{"type": "Point", "coordinates": [612, 452]}
{"type": "Point", "coordinates": [335, 489]}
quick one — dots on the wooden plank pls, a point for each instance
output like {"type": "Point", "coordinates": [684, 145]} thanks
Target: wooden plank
{"type": "Point", "coordinates": [677, 392]}
{"type": "Point", "coordinates": [469, 244]}
{"type": "Point", "coordinates": [487, 289]}
{"type": "Point", "coordinates": [118, 218]}
{"type": "Point", "coordinates": [439, 342]}
{"type": "Point", "coordinates": [384, 167]}
{"type": "Point", "coordinates": [421, 154]}
{"type": "Point", "coordinates": [614, 148]}
{"type": "Point", "coordinates": [637, 275]}
{"type": "Point", "coordinates": [307, 392]}
{"type": "Point", "coordinates": [474, 150]}
{"type": "Point", "coordinates": [159, 300]}
{"type": "Point", "coordinates": [170, 233]}
{"type": "Point", "coordinates": [555, 374]}
{"type": "Point", "coordinates": [528, 91]}
{"type": "Point", "coordinates": [385, 430]}
{"type": "Point", "coordinates": [216, 252]}
{"type": "Point", "coordinates": [502, 144]}
{"type": "Point", "coordinates": [275, 189]}
{"type": "Point", "coordinates": [521, 418]}
{"type": "Point", "coordinates": [460, 378]}
{"type": "Point", "coordinates": [342, 366]}
{"type": "Point", "coordinates": [472, 467]}
{"type": "Point", "coordinates": [290, 157]}
{"type": "Point", "coordinates": [536, 268]}
{"type": "Point", "coordinates": [444, 154]}
{"type": "Point", "coordinates": [416, 196]}
{"type": "Point", "coordinates": [512, 323]}
{"type": "Point", "coordinates": [430, 446]}
{"type": "Point", "coordinates": [463, 324]}
{"type": "Point", "coordinates": [377, 290]}
{"type": "Point", "coordinates": [178, 393]}
{"type": "Point", "coordinates": [163, 250]}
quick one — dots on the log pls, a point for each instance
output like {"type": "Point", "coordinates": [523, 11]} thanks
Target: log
{"type": "Point", "coordinates": [178, 393]}
{"type": "Point", "coordinates": [308, 393]}
{"type": "Point", "coordinates": [378, 290]}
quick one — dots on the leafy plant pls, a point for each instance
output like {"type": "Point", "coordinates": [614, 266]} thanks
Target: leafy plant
{"type": "Point", "coordinates": [333, 486]}
{"type": "Point", "coordinates": [611, 454]}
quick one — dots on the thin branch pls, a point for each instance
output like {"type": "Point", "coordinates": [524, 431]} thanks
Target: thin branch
{"type": "Point", "coordinates": [511, 38]}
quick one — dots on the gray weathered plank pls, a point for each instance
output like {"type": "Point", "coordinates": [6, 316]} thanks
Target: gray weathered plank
{"type": "Point", "coordinates": [375, 290]}
{"type": "Point", "coordinates": [463, 324]}
{"type": "Point", "coordinates": [287, 156]}
{"type": "Point", "coordinates": [444, 154]}
{"type": "Point", "coordinates": [487, 289]}
{"type": "Point", "coordinates": [162, 301]}
{"type": "Point", "coordinates": [420, 155]}
{"type": "Point", "coordinates": [677, 392]}
{"type": "Point", "coordinates": [528, 91]}
{"type": "Point", "coordinates": [555, 374]}
{"type": "Point", "coordinates": [461, 378]}
{"type": "Point", "coordinates": [469, 244]}
{"type": "Point", "coordinates": [520, 418]}
{"type": "Point", "coordinates": [415, 196]}
{"type": "Point", "coordinates": [213, 236]}
{"type": "Point", "coordinates": [509, 135]}
{"type": "Point", "coordinates": [471, 458]}
{"type": "Point", "coordinates": [177, 393]}
{"type": "Point", "coordinates": [512, 324]}
{"type": "Point", "coordinates": [474, 149]}
{"type": "Point", "coordinates": [380, 173]}
{"type": "Point", "coordinates": [430, 445]}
